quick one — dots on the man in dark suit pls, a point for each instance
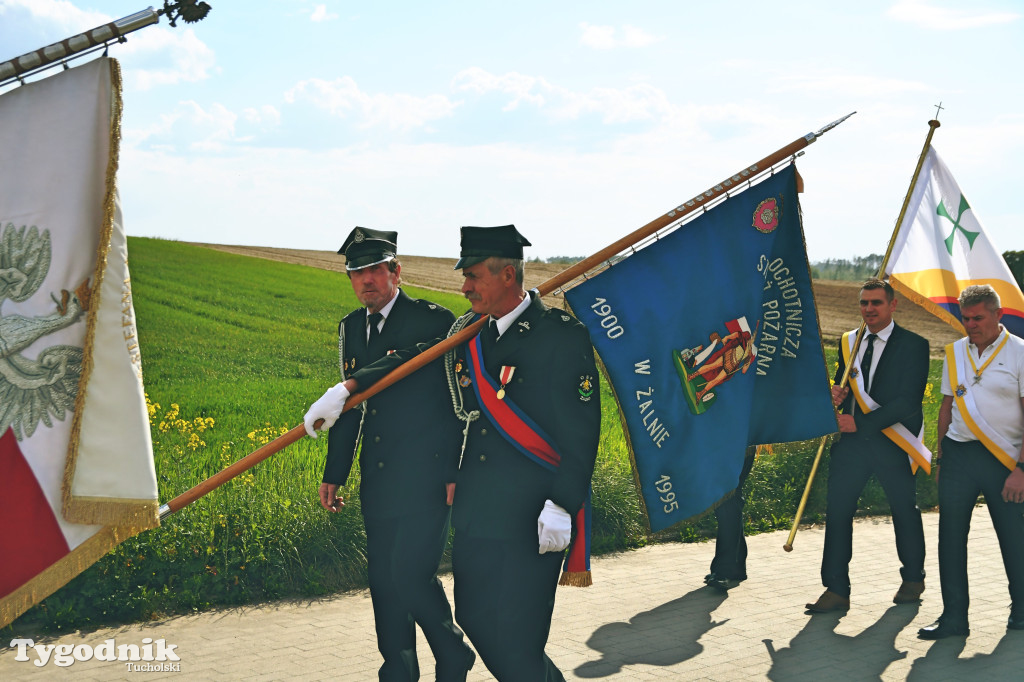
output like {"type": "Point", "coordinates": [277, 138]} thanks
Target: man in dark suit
{"type": "Point", "coordinates": [526, 386]}
{"type": "Point", "coordinates": [889, 378]}
{"type": "Point", "coordinates": [408, 462]}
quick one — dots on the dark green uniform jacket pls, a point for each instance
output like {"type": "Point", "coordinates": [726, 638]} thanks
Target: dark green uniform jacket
{"type": "Point", "coordinates": [500, 492]}
{"type": "Point", "coordinates": [410, 436]}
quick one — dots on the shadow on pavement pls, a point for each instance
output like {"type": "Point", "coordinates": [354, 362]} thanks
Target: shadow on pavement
{"type": "Point", "coordinates": [818, 652]}
{"type": "Point", "coordinates": [1005, 662]}
{"type": "Point", "coordinates": [664, 636]}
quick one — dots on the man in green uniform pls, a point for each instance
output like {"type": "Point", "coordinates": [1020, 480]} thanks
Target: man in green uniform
{"type": "Point", "coordinates": [409, 456]}
{"type": "Point", "coordinates": [526, 388]}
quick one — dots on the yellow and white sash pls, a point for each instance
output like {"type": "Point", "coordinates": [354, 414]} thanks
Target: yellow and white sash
{"type": "Point", "coordinates": [957, 362]}
{"type": "Point", "coordinates": [919, 455]}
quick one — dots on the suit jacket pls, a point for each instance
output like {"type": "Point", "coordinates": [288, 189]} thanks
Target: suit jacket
{"type": "Point", "coordinates": [897, 385]}
{"type": "Point", "coordinates": [410, 437]}
{"type": "Point", "coordinates": [500, 492]}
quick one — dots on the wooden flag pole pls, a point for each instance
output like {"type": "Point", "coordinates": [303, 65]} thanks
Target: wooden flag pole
{"type": "Point", "coordinates": [932, 125]}
{"type": "Point", "coordinates": [559, 280]}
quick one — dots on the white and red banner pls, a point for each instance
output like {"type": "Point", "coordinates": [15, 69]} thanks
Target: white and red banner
{"type": "Point", "coordinates": [76, 459]}
{"type": "Point", "coordinates": [941, 248]}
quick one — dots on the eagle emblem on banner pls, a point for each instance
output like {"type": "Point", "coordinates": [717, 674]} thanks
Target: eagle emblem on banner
{"type": "Point", "coordinates": [32, 390]}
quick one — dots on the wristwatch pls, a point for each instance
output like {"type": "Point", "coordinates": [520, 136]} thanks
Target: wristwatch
{"type": "Point", "coordinates": [1020, 465]}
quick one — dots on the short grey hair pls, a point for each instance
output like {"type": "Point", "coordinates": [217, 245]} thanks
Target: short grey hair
{"type": "Point", "coordinates": [496, 264]}
{"type": "Point", "coordinates": [980, 293]}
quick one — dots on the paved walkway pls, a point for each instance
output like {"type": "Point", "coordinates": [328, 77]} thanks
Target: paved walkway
{"type": "Point", "coordinates": [648, 617]}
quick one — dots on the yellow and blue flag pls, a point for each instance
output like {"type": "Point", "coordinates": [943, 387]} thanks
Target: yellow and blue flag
{"type": "Point", "coordinates": [710, 340]}
{"type": "Point", "coordinates": [941, 248]}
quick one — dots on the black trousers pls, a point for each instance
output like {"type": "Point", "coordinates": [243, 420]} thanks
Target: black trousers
{"type": "Point", "coordinates": [402, 556]}
{"type": "Point", "coordinates": [730, 559]}
{"type": "Point", "coordinates": [969, 469]}
{"type": "Point", "coordinates": [854, 459]}
{"type": "Point", "coordinates": [504, 598]}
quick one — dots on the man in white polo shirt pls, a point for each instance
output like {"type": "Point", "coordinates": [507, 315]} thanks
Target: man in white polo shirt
{"type": "Point", "coordinates": [981, 428]}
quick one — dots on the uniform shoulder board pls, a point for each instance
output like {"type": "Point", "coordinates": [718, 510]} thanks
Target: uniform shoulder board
{"type": "Point", "coordinates": [424, 302]}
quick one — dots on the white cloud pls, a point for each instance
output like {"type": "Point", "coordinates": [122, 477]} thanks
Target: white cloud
{"type": "Point", "coordinates": [265, 117]}
{"type": "Point", "coordinates": [320, 13]}
{"type": "Point", "coordinates": [398, 111]}
{"type": "Point", "coordinates": [927, 15]}
{"type": "Point", "coordinates": [636, 102]}
{"type": "Point", "coordinates": [210, 129]}
{"type": "Point", "coordinates": [522, 88]}
{"type": "Point", "coordinates": [604, 37]}
{"type": "Point", "coordinates": [60, 13]}
{"type": "Point", "coordinates": [175, 56]}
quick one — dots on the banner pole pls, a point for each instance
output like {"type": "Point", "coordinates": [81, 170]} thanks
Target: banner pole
{"type": "Point", "coordinates": [932, 125]}
{"type": "Point", "coordinates": [559, 280]}
{"type": "Point", "coordinates": [83, 43]}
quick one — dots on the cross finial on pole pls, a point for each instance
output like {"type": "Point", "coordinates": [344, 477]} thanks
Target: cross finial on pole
{"type": "Point", "coordinates": [938, 108]}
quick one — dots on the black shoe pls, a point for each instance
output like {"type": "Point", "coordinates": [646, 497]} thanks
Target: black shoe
{"type": "Point", "coordinates": [1015, 621]}
{"type": "Point", "coordinates": [940, 630]}
{"type": "Point", "coordinates": [722, 583]}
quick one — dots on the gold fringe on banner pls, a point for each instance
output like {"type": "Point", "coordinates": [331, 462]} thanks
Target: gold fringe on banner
{"type": "Point", "coordinates": [143, 514]}
{"type": "Point", "coordinates": [61, 572]}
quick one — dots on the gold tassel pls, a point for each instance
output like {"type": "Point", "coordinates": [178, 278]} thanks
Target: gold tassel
{"type": "Point", "coordinates": [576, 579]}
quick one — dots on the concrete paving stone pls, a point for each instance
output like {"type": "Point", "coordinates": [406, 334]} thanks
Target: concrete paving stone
{"type": "Point", "coordinates": [647, 617]}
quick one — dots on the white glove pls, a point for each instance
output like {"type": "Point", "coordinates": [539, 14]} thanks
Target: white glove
{"type": "Point", "coordinates": [328, 408]}
{"type": "Point", "coordinates": [554, 528]}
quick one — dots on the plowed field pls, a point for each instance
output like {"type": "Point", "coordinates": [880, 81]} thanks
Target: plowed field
{"type": "Point", "coordinates": [836, 301]}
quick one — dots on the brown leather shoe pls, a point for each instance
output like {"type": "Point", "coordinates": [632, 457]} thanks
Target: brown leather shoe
{"type": "Point", "coordinates": [829, 601]}
{"type": "Point", "coordinates": [909, 593]}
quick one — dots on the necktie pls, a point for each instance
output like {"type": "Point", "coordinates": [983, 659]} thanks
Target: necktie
{"type": "Point", "coordinates": [865, 362]}
{"type": "Point", "coordinates": [374, 320]}
{"type": "Point", "coordinates": [489, 337]}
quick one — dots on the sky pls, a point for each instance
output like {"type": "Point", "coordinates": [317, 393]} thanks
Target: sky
{"type": "Point", "coordinates": [286, 123]}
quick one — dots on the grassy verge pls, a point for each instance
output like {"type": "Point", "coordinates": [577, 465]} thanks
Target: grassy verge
{"type": "Point", "coordinates": [234, 350]}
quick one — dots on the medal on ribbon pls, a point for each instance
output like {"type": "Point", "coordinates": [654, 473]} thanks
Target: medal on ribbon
{"type": "Point", "coordinates": [504, 377]}
{"type": "Point", "coordinates": [960, 391]}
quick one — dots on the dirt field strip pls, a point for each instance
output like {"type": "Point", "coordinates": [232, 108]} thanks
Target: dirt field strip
{"type": "Point", "coordinates": [836, 301]}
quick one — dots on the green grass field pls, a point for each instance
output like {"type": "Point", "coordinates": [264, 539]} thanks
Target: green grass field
{"type": "Point", "coordinates": [234, 350]}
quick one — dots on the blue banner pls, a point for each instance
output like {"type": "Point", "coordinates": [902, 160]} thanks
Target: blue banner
{"type": "Point", "coordinates": [710, 340]}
